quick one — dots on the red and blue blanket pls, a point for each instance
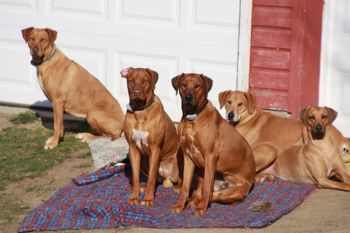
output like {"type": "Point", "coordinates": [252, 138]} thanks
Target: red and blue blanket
{"type": "Point", "coordinates": [98, 200]}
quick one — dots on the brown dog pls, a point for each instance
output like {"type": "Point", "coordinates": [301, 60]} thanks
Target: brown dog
{"type": "Point", "coordinates": [319, 158]}
{"type": "Point", "coordinates": [71, 88]}
{"type": "Point", "coordinates": [209, 142]}
{"type": "Point", "coordinates": [151, 135]}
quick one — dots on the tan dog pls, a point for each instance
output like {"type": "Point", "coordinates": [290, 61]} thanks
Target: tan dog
{"type": "Point", "coordinates": [319, 158]}
{"type": "Point", "coordinates": [151, 135]}
{"type": "Point", "coordinates": [258, 126]}
{"type": "Point", "coordinates": [265, 132]}
{"type": "Point", "coordinates": [209, 142]}
{"type": "Point", "coordinates": [71, 88]}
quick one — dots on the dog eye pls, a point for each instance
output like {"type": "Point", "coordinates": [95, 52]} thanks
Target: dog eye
{"type": "Point", "coordinates": [240, 104]}
{"type": "Point", "coordinates": [311, 117]}
{"type": "Point", "coordinates": [145, 81]}
{"type": "Point", "coordinates": [197, 86]}
{"type": "Point", "coordinates": [229, 101]}
{"type": "Point", "coordinates": [324, 116]}
{"type": "Point", "coordinates": [184, 85]}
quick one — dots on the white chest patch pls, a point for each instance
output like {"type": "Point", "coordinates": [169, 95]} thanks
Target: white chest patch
{"type": "Point", "coordinates": [140, 137]}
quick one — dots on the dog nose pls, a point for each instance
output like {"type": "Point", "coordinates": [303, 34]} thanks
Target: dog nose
{"type": "Point", "coordinates": [230, 116]}
{"type": "Point", "coordinates": [318, 127]}
{"type": "Point", "coordinates": [137, 92]}
{"type": "Point", "coordinates": [188, 97]}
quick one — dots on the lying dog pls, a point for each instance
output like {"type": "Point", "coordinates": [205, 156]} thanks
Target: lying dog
{"type": "Point", "coordinates": [265, 132]}
{"type": "Point", "coordinates": [319, 158]}
{"type": "Point", "coordinates": [71, 88]}
{"type": "Point", "coordinates": [256, 125]}
{"type": "Point", "coordinates": [151, 135]}
{"type": "Point", "coordinates": [209, 142]}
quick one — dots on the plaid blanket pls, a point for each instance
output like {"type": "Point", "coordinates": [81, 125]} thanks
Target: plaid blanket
{"type": "Point", "coordinates": [98, 200]}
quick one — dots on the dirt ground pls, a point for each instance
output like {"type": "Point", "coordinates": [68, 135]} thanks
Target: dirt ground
{"type": "Point", "coordinates": [322, 211]}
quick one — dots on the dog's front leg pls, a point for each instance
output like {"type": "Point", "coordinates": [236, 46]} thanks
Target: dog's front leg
{"type": "Point", "coordinates": [211, 160]}
{"type": "Point", "coordinates": [135, 160]}
{"type": "Point", "coordinates": [152, 176]}
{"type": "Point", "coordinates": [58, 110]}
{"type": "Point", "coordinates": [189, 168]}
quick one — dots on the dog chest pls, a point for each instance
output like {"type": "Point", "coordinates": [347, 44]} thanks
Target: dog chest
{"type": "Point", "coordinates": [191, 147]}
{"type": "Point", "coordinates": [140, 137]}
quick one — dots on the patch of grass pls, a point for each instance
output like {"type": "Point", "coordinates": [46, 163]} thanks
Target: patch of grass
{"type": "Point", "coordinates": [22, 154]}
{"type": "Point", "coordinates": [24, 118]}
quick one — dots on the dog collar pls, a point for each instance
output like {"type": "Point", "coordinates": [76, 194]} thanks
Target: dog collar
{"type": "Point", "coordinates": [47, 59]}
{"type": "Point", "coordinates": [192, 117]}
{"type": "Point", "coordinates": [129, 109]}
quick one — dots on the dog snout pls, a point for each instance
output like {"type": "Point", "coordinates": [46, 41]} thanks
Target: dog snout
{"type": "Point", "coordinates": [319, 128]}
{"type": "Point", "coordinates": [230, 116]}
{"type": "Point", "coordinates": [188, 97]}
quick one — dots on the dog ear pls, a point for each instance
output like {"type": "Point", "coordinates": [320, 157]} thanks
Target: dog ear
{"type": "Point", "coordinates": [52, 34]}
{"type": "Point", "coordinates": [303, 114]}
{"type": "Point", "coordinates": [332, 114]}
{"type": "Point", "coordinates": [125, 72]}
{"type": "Point", "coordinates": [208, 82]}
{"type": "Point", "coordinates": [250, 102]}
{"type": "Point", "coordinates": [223, 97]}
{"type": "Point", "coordinates": [26, 32]}
{"type": "Point", "coordinates": [153, 74]}
{"type": "Point", "coordinates": [175, 82]}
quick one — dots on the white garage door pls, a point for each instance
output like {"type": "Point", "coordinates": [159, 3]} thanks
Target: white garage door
{"type": "Point", "coordinates": [335, 77]}
{"type": "Point", "coordinates": [169, 36]}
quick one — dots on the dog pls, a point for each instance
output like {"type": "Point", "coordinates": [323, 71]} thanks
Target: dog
{"type": "Point", "coordinates": [71, 88]}
{"type": "Point", "coordinates": [210, 143]}
{"type": "Point", "coordinates": [265, 132]}
{"type": "Point", "coordinates": [320, 157]}
{"type": "Point", "coordinates": [256, 125]}
{"type": "Point", "coordinates": [152, 137]}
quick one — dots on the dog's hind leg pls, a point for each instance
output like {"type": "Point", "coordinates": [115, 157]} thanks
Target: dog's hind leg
{"type": "Point", "coordinates": [264, 155]}
{"type": "Point", "coordinates": [237, 192]}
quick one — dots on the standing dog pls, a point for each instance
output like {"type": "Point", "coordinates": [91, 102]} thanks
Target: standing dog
{"type": "Point", "coordinates": [151, 135]}
{"type": "Point", "coordinates": [71, 88]}
{"type": "Point", "coordinates": [319, 158]}
{"type": "Point", "coordinates": [209, 142]}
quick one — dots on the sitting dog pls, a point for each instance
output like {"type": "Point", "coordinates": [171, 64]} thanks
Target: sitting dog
{"type": "Point", "coordinates": [209, 142]}
{"type": "Point", "coordinates": [320, 158]}
{"type": "Point", "coordinates": [151, 135]}
{"type": "Point", "coordinates": [71, 88]}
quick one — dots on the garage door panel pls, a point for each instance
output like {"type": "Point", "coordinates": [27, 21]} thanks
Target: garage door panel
{"type": "Point", "coordinates": [214, 14]}
{"type": "Point", "coordinates": [150, 12]}
{"type": "Point", "coordinates": [92, 60]}
{"type": "Point", "coordinates": [90, 9]}
{"type": "Point", "coordinates": [22, 6]}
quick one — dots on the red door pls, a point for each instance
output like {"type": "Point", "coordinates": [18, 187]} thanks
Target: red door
{"type": "Point", "coordinates": [285, 53]}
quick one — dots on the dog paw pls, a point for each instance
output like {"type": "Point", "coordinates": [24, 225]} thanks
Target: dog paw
{"type": "Point", "coordinates": [177, 209]}
{"type": "Point", "coordinates": [199, 211]}
{"type": "Point", "coordinates": [133, 201]}
{"type": "Point", "coordinates": [50, 143]}
{"type": "Point", "coordinates": [84, 137]}
{"type": "Point", "coordinates": [147, 203]}
{"type": "Point", "coordinates": [193, 201]}
{"type": "Point", "coordinates": [264, 177]}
